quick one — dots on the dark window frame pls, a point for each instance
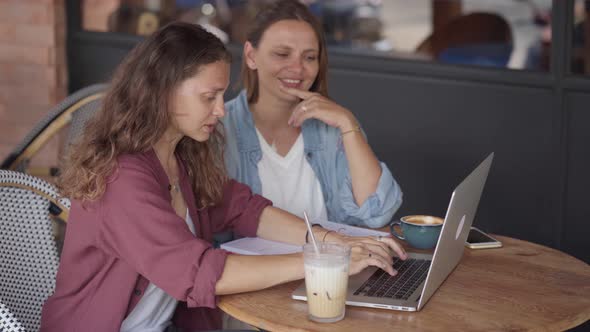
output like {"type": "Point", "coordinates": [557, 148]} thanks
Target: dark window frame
{"type": "Point", "coordinates": [559, 75]}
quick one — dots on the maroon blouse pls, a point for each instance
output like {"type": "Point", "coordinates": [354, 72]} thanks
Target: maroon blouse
{"type": "Point", "coordinates": [116, 245]}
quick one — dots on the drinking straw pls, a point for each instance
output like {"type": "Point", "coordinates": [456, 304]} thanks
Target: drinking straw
{"type": "Point", "coordinates": [315, 245]}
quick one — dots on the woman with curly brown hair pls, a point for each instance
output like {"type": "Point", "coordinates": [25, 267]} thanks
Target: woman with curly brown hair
{"type": "Point", "coordinates": [148, 190]}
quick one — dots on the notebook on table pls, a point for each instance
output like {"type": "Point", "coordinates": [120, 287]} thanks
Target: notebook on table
{"type": "Point", "coordinates": [258, 246]}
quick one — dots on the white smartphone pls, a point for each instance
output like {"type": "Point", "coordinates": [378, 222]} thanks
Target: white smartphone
{"type": "Point", "coordinates": [478, 239]}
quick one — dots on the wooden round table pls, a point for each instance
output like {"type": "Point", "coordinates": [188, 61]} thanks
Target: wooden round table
{"type": "Point", "coordinates": [522, 286]}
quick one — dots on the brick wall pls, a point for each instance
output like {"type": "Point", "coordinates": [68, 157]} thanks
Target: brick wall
{"type": "Point", "coordinates": [33, 73]}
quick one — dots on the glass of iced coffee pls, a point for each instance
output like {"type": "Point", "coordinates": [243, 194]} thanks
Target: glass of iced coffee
{"type": "Point", "coordinates": [326, 280]}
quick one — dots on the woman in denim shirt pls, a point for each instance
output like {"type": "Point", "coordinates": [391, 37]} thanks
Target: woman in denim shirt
{"type": "Point", "coordinates": [288, 141]}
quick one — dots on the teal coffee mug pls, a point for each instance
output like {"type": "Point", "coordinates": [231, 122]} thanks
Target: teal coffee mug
{"type": "Point", "coordinates": [419, 231]}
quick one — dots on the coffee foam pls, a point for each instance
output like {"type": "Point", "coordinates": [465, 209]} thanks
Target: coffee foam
{"type": "Point", "coordinates": [423, 220]}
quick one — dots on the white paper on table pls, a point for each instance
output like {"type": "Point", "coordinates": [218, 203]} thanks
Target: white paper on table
{"type": "Point", "coordinates": [349, 230]}
{"type": "Point", "coordinates": [258, 246]}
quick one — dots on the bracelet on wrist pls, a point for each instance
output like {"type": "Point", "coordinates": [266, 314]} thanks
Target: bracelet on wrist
{"type": "Point", "coordinates": [326, 234]}
{"type": "Point", "coordinates": [307, 233]}
{"type": "Point", "coordinates": [356, 128]}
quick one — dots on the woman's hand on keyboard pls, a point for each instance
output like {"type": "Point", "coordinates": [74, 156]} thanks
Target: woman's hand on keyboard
{"type": "Point", "coordinates": [373, 251]}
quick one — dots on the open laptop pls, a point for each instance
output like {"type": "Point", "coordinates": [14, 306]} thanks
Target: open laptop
{"type": "Point", "coordinates": [420, 275]}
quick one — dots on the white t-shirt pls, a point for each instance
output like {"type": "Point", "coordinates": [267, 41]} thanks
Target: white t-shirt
{"type": "Point", "coordinates": [153, 313]}
{"type": "Point", "coordinates": [289, 181]}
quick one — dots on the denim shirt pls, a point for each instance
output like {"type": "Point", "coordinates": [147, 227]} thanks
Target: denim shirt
{"type": "Point", "coordinates": [325, 154]}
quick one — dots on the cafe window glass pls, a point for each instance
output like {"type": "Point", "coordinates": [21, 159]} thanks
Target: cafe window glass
{"type": "Point", "coordinates": [580, 62]}
{"type": "Point", "coordinates": [494, 33]}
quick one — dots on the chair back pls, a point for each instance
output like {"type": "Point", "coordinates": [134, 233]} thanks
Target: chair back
{"type": "Point", "coordinates": [78, 121]}
{"type": "Point", "coordinates": [56, 119]}
{"type": "Point", "coordinates": [29, 259]}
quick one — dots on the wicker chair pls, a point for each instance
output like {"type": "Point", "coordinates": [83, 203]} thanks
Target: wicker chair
{"type": "Point", "coordinates": [85, 101]}
{"type": "Point", "coordinates": [29, 259]}
{"type": "Point", "coordinates": [79, 119]}
{"type": "Point", "coordinates": [8, 323]}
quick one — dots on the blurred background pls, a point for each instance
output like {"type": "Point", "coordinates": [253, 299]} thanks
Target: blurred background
{"type": "Point", "coordinates": [394, 28]}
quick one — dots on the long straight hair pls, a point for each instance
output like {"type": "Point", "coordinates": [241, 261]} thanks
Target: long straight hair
{"type": "Point", "coordinates": [136, 113]}
{"type": "Point", "coordinates": [280, 11]}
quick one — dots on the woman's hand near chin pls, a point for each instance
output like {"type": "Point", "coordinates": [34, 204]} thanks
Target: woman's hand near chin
{"type": "Point", "coordinates": [314, 105]}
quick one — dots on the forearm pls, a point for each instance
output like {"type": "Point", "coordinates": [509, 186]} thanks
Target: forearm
{"type": "Point", "coordinates": [279, 225]}
{"type": "Point", "coordinates": [364, 167]}
{"type": "Point", "coordinates": [249, 273]}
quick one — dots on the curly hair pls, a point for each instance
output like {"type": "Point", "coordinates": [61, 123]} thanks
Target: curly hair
{"type": "Point", "coordinates": [135, 114]}
{"type": "Point", "coordinates": [273, 13]}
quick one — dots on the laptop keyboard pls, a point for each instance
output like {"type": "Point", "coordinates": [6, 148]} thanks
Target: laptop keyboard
{"type": "Point", "coordinates": [410, 274]}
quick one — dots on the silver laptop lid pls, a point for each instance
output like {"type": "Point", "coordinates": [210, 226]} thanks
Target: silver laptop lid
{"type": "Point", "coordinates": [451, 242]}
